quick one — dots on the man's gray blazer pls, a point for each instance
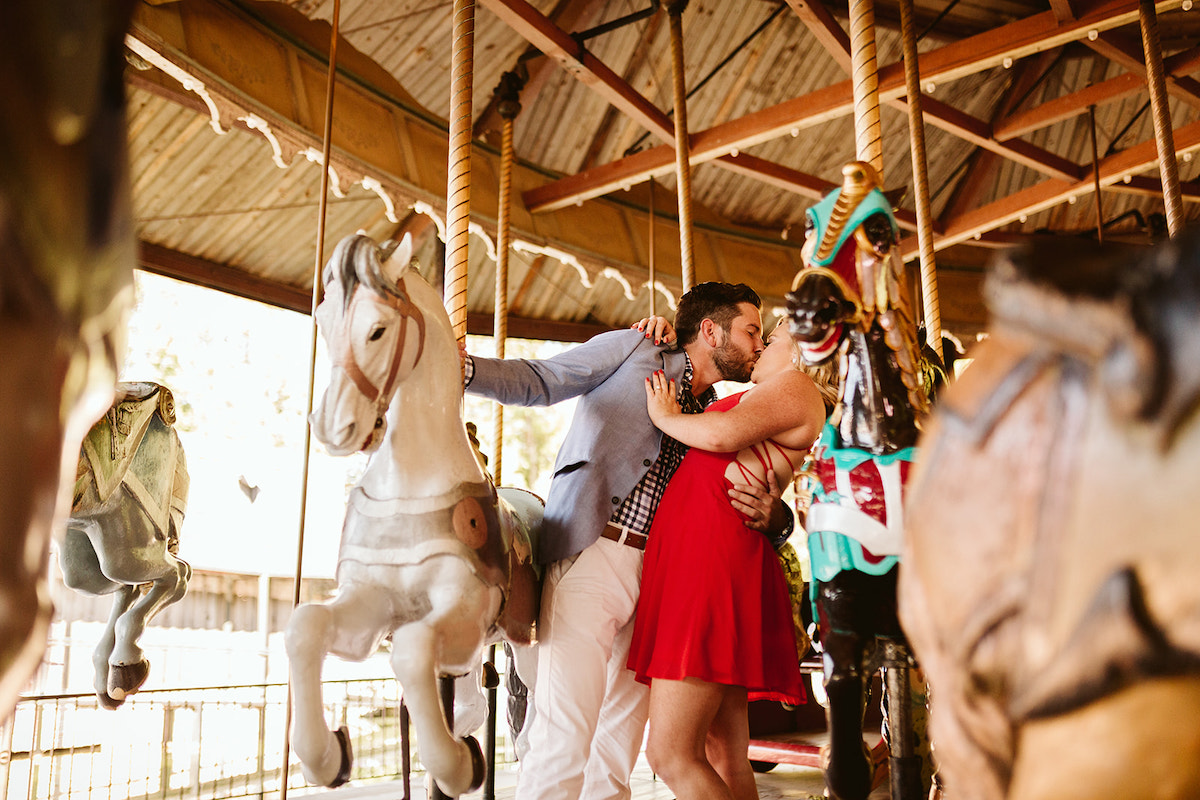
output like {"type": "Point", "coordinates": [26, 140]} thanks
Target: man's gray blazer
{"type": "Point", "coordinates": [611, 442]}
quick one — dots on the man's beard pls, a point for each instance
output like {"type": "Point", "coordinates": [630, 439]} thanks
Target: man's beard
{"type": "Point", "coordinates": [732, 364]}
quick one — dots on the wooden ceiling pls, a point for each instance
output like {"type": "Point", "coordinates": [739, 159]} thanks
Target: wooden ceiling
{"type": "Point", "coordinates": [227, 108]}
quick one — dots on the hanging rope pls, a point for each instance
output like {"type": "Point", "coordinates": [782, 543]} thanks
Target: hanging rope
{"type": "Point", "coordinates": [683, 169]}
{"type": "Point", "coordinates": [317, 291]}
{"type": "Point", "coordinates": [1168, 167]}
{"type": "Point", "coordinates": [920, 168]}
{"type": "Point", "coordinates": [864, 71]}
{"type": "Point", "coordinates": [509, 94]}
{"type": "Point", "coordinates": [1096, 176]}
{"type": "Point", "coordinates": [458, 180]}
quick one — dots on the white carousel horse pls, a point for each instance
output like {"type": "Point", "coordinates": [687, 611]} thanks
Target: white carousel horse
{"type": "Point", "coordinates": [67, 252]}
{"type": "Point", "coordinates": [430, 554]}
{"type": "Point", "coordinates": [123, 532]}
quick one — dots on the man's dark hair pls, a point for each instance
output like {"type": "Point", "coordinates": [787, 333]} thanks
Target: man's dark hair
{"type": "Point", "coordinates": [711, 300]}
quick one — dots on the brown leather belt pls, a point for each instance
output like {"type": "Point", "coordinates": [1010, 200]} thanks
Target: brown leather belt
{"type": "Point", "coordinates": [625, 536]}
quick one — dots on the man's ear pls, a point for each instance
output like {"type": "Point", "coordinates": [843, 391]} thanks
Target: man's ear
{"type": "Point", "coordinates": [710, 332]}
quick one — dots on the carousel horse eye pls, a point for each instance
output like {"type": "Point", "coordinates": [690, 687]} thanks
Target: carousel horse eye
{"type": "Point", "coordinates": [376, 335]}
{"type": "Point", "coordinates": [378, 423]}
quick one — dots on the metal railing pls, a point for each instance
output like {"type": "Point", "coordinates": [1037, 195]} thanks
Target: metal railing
{"type": "Point", "coordinates": [205, 743]}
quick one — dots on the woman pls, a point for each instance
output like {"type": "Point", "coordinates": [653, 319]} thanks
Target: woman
{"type": "Point", "coordinates": [713, 627]}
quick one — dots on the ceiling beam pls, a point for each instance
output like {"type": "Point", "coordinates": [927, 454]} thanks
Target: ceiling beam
{"type": "Point", "coordinates": [1127, 52]}
{"type": "Point", "coordinates": [968, 56]}
{"type": "Point", "coordinates": [543, 34]}
{"type": "Point", "coordinates": [1052, 192]}
{"type": "Point", "coordinates": [1145, 186]}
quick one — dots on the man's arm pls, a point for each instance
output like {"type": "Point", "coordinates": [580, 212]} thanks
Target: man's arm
{"type": "Point", "coordinates": [543, 382]}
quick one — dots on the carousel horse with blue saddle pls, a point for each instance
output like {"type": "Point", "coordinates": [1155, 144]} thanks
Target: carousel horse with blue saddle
{"type": "Point", "coordinates": [848, 302]}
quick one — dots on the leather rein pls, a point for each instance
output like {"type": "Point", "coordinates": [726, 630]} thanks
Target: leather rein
{"type": "Point", "coordinates": [344, 355]}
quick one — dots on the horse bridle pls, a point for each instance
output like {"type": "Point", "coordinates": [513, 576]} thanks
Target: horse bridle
{"type": "Point", "coordinates": [344, 357]}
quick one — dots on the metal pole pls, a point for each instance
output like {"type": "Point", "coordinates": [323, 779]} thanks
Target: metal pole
{"type": "Point", "coordinates": [920, 167]}
{"type": "Point", "coordinates": [1096, 176]}
{"type": "Point", "coordinates": [1168, 167]}
{"type": "Point", "coordinates": [458, 180]}
{"type": "Point", "coordinates": [317, 291]}
{"type": "Point", "coordinates": [683, 167]}
{"type": "Point", "coordinates": [650, 256]}
{"type": "Point", "coordinates": [864, 71]}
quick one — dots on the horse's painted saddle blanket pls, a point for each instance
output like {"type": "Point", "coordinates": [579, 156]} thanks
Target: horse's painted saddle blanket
{"type": "Point", "coordinates": [134, 445]}
{"type": "Point", "coordinates": [856, 520]}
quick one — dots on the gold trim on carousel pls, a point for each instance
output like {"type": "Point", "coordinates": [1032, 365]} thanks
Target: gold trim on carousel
{"type": "Point", "coordinates": [858, 179]}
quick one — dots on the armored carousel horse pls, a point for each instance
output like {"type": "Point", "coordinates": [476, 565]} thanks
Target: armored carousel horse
{"type": "Point", "coordinates": [432, 553]}
{"type": "Point", "coordinates": [67, 252]}
{"type": "Point", "coordinates": [123, 532]}
{"type": "Point", "coordinates": [1049, 585]}
{"type": "Point", "coordinates": [848, 302]}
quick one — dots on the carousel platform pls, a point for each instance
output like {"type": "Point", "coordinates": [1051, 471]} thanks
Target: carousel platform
{"type": "Point", "coordinates": [784, 782]}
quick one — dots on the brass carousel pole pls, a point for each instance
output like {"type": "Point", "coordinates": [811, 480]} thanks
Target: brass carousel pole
{"type": "Point", "coordinates": [864, 69]}
{"type": "Point", "coordinates": [458, 217]}
{"type": "Point", "coordinates": [920, 166]}
{"type": "Point", "coordinates": [683, 169]}
{"type": "Point", "coordinates": [1096, 176]}
{"type": "Point", "coordinates": [1168, 167]}
{"type": "Point", "coordinates": [458, 181]}
{"type": "Point", "coordinates": [317, 291]}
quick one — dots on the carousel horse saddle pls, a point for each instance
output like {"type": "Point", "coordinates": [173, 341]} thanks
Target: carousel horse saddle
{"type": "Point", "coordinates": [134, 445]}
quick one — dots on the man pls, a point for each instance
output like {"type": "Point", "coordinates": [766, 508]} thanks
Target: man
{"type": "Point", "coordinates": [590, 713]}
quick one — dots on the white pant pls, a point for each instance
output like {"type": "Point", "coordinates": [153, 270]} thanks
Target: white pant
{"type": "Point", "coordinates": [590, 712]}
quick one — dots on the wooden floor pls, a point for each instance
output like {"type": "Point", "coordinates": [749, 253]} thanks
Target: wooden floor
{"type": "Point", "coordinates": [784, 782]}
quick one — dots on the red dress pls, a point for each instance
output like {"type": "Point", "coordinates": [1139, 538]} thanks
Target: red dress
{"type": "Point", "coordinates": [714, 604]}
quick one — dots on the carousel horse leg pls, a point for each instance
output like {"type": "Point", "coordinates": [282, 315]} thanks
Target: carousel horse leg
{"type": "Point", "coordinates": [125, 595]}
{"type": "Point", "coordinates": [128, 664]}
{"type": "Point", "coordinates": [848, 768]}
{"type": "Point", "coordinates": [456, 765]}
{"type": "Point", "coordinates": [325, 757]}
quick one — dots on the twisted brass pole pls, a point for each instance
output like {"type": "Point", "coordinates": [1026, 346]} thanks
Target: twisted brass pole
{"type": "Point", "coordinates": [317, 291]}
{"type": "Point", "coordinates": [864, 72]}
{"type": "Point", "coordinates": [650, 248]}
{"type": "Point", "coordinates": [1168, 167]}
{"type": "Point", "coordinates": [509, 106]}
{"type": "Point", "coordinates": [458, 180]}
{"type": "Point", "coordinates": [683, 168]}
{"type": "Point", "coordinates": [920, 168]}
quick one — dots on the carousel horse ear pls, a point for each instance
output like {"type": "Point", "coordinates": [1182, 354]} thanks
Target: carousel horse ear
{"type": "Point", "coordinates": [395, 257]}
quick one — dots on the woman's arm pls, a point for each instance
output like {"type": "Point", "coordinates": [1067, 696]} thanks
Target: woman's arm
{"type": "Point", "coordinates": [786, 408]}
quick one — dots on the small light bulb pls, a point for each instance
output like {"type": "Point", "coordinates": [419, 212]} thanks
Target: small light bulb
{"type": "Point", "coordinates": [1187, 156]}
{"type": "Point", "coordinates": [930, 87]}
{"type": "Point", "coordinates": [1128, 179]}
{"type": "Point", "coordinates": [624, 187]}
{"type": "Point", "coordinates": [795, 132]}
{"type": "Point", "coordinates": [1007, 62]}
{"type": "Point", "coordinates": [1187, 5]}
{"type": "Point", "coordinates": [1071, 199]}
{"type": "Point", "coordinates": [977, 236]}
{"type": "Point", "coordinates": [734, 152]}
{"type": "Point", "coordinates": [1023, 219]}
{"type": "Point", "coordinates": [1093, 35]}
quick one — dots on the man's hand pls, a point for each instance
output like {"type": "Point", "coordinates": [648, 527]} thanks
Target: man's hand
{"type": "Point", "coordinates": [764, 509]}
{"type": "Point", "coordinates": [656, 328]}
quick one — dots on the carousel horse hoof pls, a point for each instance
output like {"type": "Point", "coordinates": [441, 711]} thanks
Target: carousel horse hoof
{"type": "Point", "coordinates": [490, 678]}
{"type": "Point", "coordinates": [342, 735]}
{"type": "Point", "coordinates": [109, 702]}
{"type": "Point", "coordinates": [126, 679]}
{"type": "Point", "coordinates": [478, 763]}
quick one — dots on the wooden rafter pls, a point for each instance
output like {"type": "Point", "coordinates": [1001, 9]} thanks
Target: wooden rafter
{"type": "Point", "coordinates": [1053, 191]}
{"type": "Point", "coordinates": [1127, 52]}
{"type": "Point", "coordinates": [543, 34]}
{"type": "Point", "coordinates": [968, 56]}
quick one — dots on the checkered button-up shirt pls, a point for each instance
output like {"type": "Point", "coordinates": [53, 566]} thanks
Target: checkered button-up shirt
{"type": "Point", "coordinates": [637, 510]}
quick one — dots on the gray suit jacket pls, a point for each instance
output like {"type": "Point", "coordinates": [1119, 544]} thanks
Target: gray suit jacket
{"type": "Point", "coordinates": [611, 442]}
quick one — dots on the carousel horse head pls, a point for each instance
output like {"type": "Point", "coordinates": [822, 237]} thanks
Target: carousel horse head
{"type": "Point", "coordinates": [1061, 637]}
{"type": "Point", "coordinates": [376, 336]}
{"type": "Point", "coordinates": [848, 276]}
{"type": "Point", "coordinates": [67, 252]}
{"type": "Point", "coordinates": [432, 554]}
